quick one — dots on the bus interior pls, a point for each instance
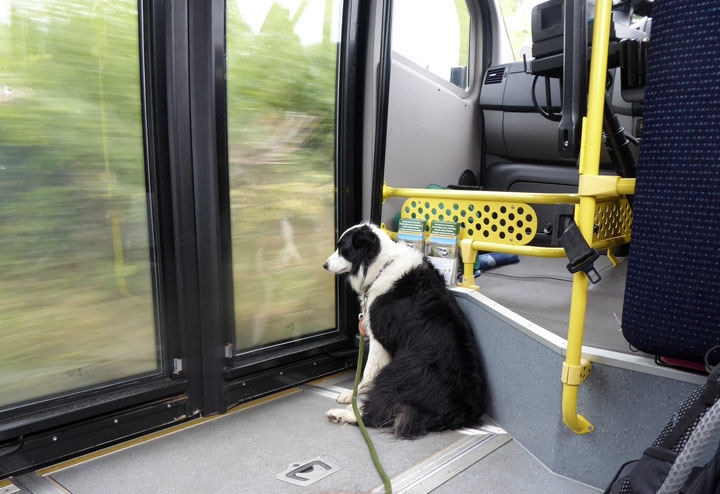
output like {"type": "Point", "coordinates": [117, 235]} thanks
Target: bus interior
{"type": "Point", "coordinates": [173, 174]}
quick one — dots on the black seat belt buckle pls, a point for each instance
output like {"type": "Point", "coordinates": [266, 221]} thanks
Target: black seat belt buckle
{"type": "Point", "coordinates": [582, 257]}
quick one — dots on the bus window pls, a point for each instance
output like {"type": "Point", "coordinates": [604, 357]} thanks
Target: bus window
{"type": "Point", "coordinates": [76, 295]}
{"type": "Point", "coordinates": [281, 72]}
{"type": "Point", "coordinates": [516, 14]}
{"type": "Point", "coordinates": [434, 35]}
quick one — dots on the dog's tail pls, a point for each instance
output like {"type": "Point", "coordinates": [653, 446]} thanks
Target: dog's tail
{"type": "Point", "coordinates": [403, 419]}
{"type": "Point", "coordinates": [408, 422]}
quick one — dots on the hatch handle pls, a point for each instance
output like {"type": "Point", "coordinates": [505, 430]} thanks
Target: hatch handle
{"type": "Point", "coordinates": [293, 474]}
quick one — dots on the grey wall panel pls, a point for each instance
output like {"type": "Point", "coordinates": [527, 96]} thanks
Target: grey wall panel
{"type": "Point", "coordinates": [628, 408]}
{"type": "Point", "coordinates": [433, 134]}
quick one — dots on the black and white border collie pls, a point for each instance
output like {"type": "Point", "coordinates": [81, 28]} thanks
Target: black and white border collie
{"type": "Point", "coordinates": [423, 371]}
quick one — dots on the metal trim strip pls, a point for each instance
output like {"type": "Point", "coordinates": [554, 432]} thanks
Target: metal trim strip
{"type": "Point", "coordinates": [32, 483]}
{"type": "Point", "coordinates": [446, 464]}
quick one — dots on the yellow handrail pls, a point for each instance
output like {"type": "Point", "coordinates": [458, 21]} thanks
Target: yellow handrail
{"type": "Point", "coordinates": [481, 195]}
{"type": "Point", "coordinates": [575, 370]}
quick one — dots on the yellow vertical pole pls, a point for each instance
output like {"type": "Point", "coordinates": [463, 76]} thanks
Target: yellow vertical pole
{"type": "Point", "coordinates": [575, 369]}
{"type": "Point", "coordinates": [468, 255]}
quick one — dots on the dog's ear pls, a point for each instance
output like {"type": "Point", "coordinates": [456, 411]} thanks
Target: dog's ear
{"type": "Point", "coordinates": [366, 240]}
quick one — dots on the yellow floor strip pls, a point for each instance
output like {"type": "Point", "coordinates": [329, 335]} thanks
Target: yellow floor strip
{"type": "Point", "coordinates": [155, 435]}
{"type": "Point", "coordinates": [348, 372]}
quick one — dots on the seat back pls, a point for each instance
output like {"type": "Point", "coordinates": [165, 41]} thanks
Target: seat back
{"type": "Point", "coordinates": [672, 296]}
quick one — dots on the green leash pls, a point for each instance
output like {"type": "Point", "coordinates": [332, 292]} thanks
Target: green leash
{"type": "Point", "coordinates": [370, 445]}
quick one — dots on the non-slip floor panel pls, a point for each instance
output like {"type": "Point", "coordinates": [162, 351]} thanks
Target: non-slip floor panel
{"type": "Point", "coordinates": [244, 451]}
{"type": "Point", "coordinates": [540, 290]}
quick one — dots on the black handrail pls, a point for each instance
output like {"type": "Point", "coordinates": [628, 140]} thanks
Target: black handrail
{"type": "Point", "coordinates": [574, 81]}
{"type": "Point", "coordinates": [381, 117]}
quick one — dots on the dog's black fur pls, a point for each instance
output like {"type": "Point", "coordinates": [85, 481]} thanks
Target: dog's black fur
{"type": "Point", "coordinates": [435, 379]}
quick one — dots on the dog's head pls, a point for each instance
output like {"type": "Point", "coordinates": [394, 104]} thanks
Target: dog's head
{"type": "Point", "coordinates": [359, 251]}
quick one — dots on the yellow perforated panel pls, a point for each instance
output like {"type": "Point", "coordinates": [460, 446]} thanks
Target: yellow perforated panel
{"type": "Point", "coordinates": [613, 219]}
{"type": "Point", "coordinates": [501, 222]}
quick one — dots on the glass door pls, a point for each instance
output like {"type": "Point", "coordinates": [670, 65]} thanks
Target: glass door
{"type": "Point", "coordinates": [77, 303]}
{"type": "Point", "coordinates": [282, 66]}
{"type": "Point", "coordinates": [89, 323]}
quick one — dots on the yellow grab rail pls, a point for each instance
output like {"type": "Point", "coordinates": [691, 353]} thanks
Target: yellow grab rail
{"type": "Point", "coordinates": [496, 221]}
{"type": "Point", "coordinates": [481, 195]}
{"type": "Point", "coordinates": [575, 369]}
{"type": "Point", "coordinates": [618, 187]}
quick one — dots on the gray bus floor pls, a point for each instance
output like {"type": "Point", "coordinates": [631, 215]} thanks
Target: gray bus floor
{"type": "Point", "coordinates": [244, 451]}
{"type": "Point", "coordinates": [540, 290]}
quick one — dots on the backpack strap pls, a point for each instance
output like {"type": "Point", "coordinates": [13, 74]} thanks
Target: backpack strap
{"type": "Point", "coordinates": [701, 439]}
{"type": "Point", "coordinates": [661, 454]}
{"type": "Point", "coordinates": [699, 405]}
{"type": "Point", "coordinates": [712, 389]}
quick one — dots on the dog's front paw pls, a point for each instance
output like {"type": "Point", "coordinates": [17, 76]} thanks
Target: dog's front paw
{"type": "Point", "coordinates": [341, 415]}
{"type": "Point", "coordinates": [345, 397]}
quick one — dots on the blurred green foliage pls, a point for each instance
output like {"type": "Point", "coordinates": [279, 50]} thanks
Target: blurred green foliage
{"type": "Point", "coordinates": [76, 301]}
{"type": "Point", "coordinates": [281, 143]}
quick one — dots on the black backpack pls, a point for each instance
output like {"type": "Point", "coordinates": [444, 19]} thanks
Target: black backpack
{"type": "Point", "coordinates": [670, 464]}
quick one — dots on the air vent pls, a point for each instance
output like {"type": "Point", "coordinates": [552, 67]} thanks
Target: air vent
{"type": "Point", "coordinates": [494, 76]}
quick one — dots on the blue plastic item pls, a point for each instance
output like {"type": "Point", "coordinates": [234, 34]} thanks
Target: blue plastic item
{"type": "Point", "coordinates": [484, 262]}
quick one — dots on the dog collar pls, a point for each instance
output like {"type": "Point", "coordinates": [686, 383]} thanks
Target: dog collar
{"type": "Point", "coordinates": [363, 305]}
